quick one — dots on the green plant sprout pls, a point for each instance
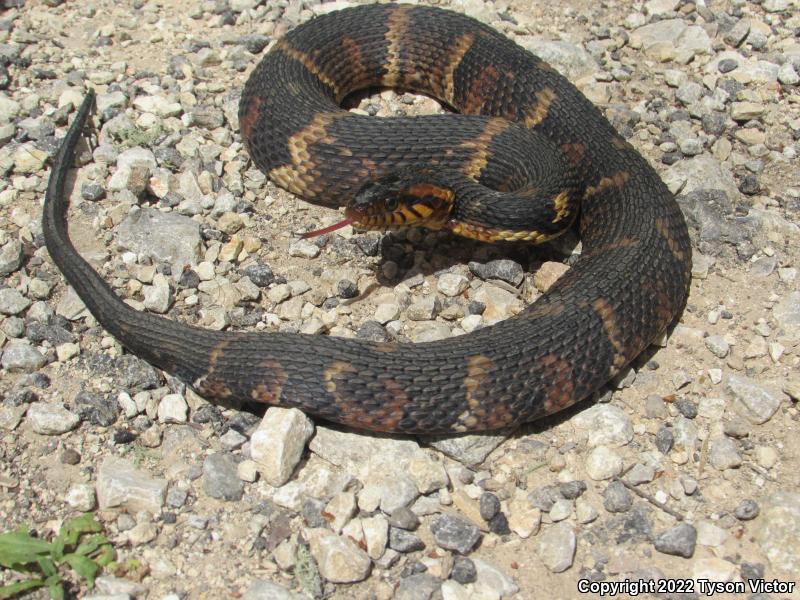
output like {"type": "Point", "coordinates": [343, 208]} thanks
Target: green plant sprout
{"type": "Point", "coordinates": [78, 545]}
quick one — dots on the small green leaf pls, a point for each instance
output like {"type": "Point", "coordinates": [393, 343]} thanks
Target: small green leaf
{"type": "Point", "coordinates": [47, 566]}
{"type": "Point", "coordinates": [91, 545]}
{"type": "Point", "coordinates": [19, 548]}
{"type": "Point", "coordinates": [55, 588]}
{"type": "Point", "coordinates": [71, 531]}
{"type": "Point", "coordinates": [85, 567]}
{"type": "Point", "coordinates": [107, 556]}
{"type": "Point", "coordinates": [13, 589]}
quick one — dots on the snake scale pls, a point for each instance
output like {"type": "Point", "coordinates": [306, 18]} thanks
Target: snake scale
{"type": "Point", "coordinates": [630, 282]}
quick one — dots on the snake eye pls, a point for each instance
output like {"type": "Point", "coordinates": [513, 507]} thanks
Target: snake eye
{"type": "Point", "coordinates": [391, 203]}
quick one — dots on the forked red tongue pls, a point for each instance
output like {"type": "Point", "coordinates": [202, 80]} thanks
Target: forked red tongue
{"type": "Point", "coordinates": [327, 229]}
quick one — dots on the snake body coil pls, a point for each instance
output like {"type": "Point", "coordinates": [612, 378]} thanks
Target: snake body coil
{"type": "Point", "coordinates": [628, 285]}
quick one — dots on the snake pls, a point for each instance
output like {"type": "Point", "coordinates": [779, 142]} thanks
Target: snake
{"type": "Point", "coordinates": [490, 170]}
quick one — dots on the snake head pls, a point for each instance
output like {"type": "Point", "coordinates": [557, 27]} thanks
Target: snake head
{"type": "Point", "coordinates": [404, 198]}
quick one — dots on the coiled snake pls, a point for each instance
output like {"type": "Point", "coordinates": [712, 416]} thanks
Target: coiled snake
{"type": "Point", "coordinates": [519, 119]}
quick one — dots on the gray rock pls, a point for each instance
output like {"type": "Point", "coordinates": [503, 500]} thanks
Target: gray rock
{"type": "Point", "coordinates": [304, 249]}
{"type": "Point", "coordinates": [455, 533]}
{"type": "Point", "coordinates": [660, 39]}
{"type": "Point", "coordinates": [397, 492]}
{"type": "Point", "coordinates": [424, 309]}
{"type": "Point", "coordinates": [278, 443]}
{"type": "Point", "coordinates": [491, 581]}
{"type": "Point", "coordinates": [665, 439]}
{"type": "Point", "coordinates": [756, 402]}
{"type": "Point", "coordinates": [21, 356]}
{"type": "Point", "coordinates": [661, 8]}
{"type": "Point", "coordinates": [470, 450]}
{"type": "Point", "coordinates": [746, 111]}
{"type": "Point", "coordinates": [788, 75]}
{"type": "Point", "coordinates": [724, 454]}
{"type": "Point", "coordinates": [464, 570]}
{"type": "Point", "coordinates": [603, 463]}
{"type": "Point", "coordinates": [232, 439]}
{"type": "Point", "coordinates": [503, 269]}
{"type": "Point", "coordinates": [452, 284]}
{"type": "Point", "coordinates": [421, 586]}
{"type": "Point", "coordinates": [167, 237]}
{"type": "Point", "coordinates": [677, 541]}
{"type": "Point", "coordinates": [570, 60]}
{"type": "Point", "coordinates": [689, 93]}
{"type": "Point", "coordinates": [702, 172]}
{"type": "Point", "coordinates": [778, 532]}
{"type": "Point", "coordinates": [685, 432]}
{"type": "Point", "coordinates": [617, 498]}
{"type": "Point", "coordinates": [119, 484]}
{"type": "Point", "coordinates": [339, 559]}
{"type": "Point", "coordinates": [81, 497]}
{"type": "Point", "coordinates": [10, 257]}
{"type": "Point", "coordinates": [157, 298]}
{"type": "Point", "coordinates": [361, 455]}
{"type": "Point", "coordinates": [640, 473]}
{"type": "Point", "coordinates": [12, 302]}
{"type": "Point", "coordinates": [604, 424]}
{"type": "Point", "coordinates": [111, 100]}
{"type": "Point", "coordinates": [654, 407]}
{"type": "Point", "coordinates": [717, 345]}
{"type": "Point", "coordinates": [261, 589]}
{"type": "Point", "coordinates": [489, 506]}
{"type": "Point", "coordinates": [404, 518]}
{"type": "Point", "coordinates": [376, 535]}
{"type": "Point", "coordinates": [787, 312]}
{"type": "Point", "coordinates": [8, 108]}
{"type": "Point", "coordinates": [173, 409]}
{"type": "Point", "coordinates": [561, 509]}
{"type": "Point", "coordinates": [51, 419]}
{"type": "Point", "coordinates": [404, 541]}
{"type": "Point", "coordinates": [11, 416]}
{"type": "Point", "coordinates": [220, 477]}
{"type": "Point", "coordinates": [108, 584]}
{"type": "Point", "coordinates": [556, 547]}
{"type": "Point", "coordinates": [736, 34]}
{"type": "Point", "coordinates": [747, 510]}
{"type": "Point", "coordinates": [773, 6]}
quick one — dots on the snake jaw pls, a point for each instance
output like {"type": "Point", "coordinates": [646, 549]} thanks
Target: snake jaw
{"type": "Point", "coordinates": [401, 199]}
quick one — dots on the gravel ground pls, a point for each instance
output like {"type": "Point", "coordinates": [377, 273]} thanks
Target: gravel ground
{"type": "Point", "coordinates": [687, 466]}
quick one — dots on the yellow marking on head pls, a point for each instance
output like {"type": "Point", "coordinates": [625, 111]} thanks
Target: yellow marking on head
{"type": "Point", "coordinates": [615, 181]}
{"type": "Point", "coordinates": [538, 112]}
{"type": "Point", "coordinates": [396, 33]}
{"type": "Point", "coordinates": [480, 144]}
{"type": "Point", "coordinates": [423, 210]}
{"type": "Point", "coordinates": [608, 316]}
{"type": "Point", "coordinates": [308, 62]}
